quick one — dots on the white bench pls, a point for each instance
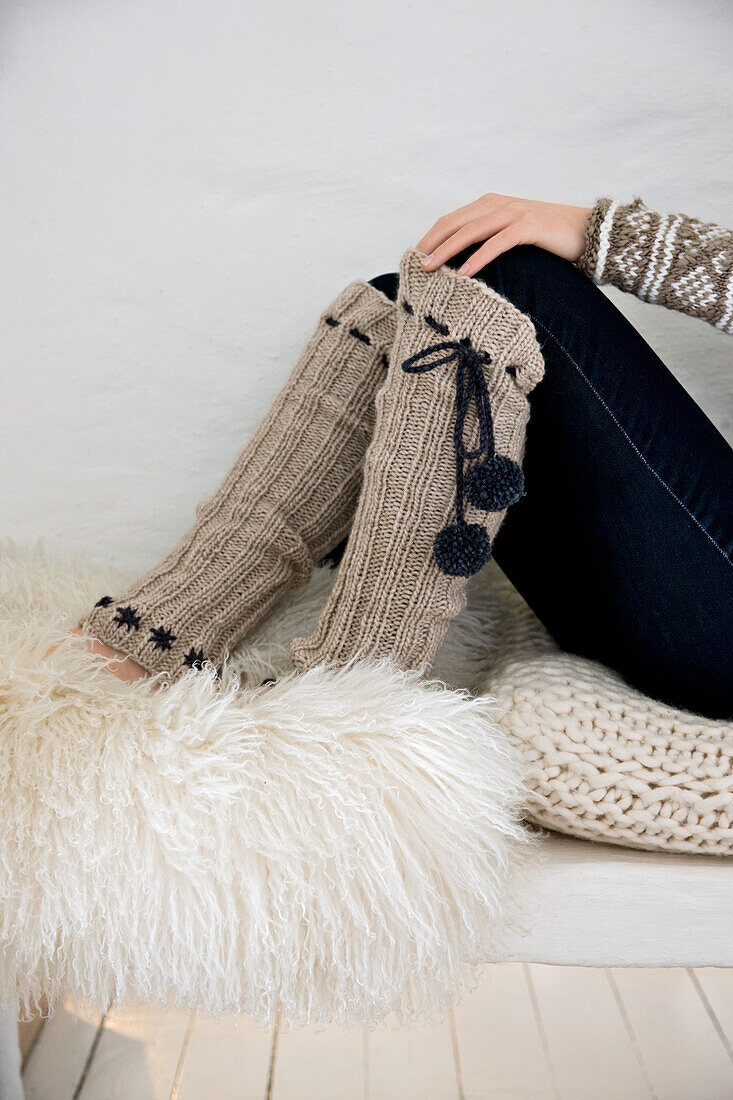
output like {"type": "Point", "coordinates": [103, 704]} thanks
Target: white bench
{"type": "Point", "coordinates": [600, 905]}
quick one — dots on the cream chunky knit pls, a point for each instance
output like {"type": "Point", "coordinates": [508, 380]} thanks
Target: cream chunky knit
{"type": "Point", "coordinates": [677, 261]}
{"type": "Point", "coordinates": [605, 762]}
{"type": "Point", "coordinates": [288, 500]}
{"type": "Point", "coordinates": [463, 357]}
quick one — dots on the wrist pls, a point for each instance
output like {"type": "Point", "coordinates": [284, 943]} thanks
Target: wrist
{"type": "Point", "coordinates": [595, 243]}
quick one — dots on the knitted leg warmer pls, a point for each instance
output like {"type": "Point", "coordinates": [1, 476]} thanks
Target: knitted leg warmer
{"type": "Point", "coordinates": [441, 470]}
{"type": "Point", "coordinates": [289, 499]}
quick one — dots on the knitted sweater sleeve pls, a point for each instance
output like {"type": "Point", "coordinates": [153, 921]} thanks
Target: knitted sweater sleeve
{"type": "Point", "coordinates": [677, 261]}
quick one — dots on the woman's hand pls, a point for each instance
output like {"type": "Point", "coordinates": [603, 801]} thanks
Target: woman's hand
{"type": "Point", "coordinates": [502, 222]}
{"type": "Point", "coordinates": [119, 664]}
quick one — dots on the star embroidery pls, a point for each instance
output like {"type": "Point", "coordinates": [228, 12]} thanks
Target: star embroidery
{"type": "Point", "coordinates": [104, 602]}
{"type": "Point", "coordinates": [127, 616]}
{"type": "Point", "coordinates": [161, 637]}
{"type": "Point", "coordinates": [194, 658]}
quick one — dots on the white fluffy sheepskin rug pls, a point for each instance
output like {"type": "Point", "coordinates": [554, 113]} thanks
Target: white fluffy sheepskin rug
{"type": "Point", "coordinates": [329, 847]}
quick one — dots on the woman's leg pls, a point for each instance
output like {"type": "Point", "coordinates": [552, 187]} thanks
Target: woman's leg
{"type": "Point", "coordinates": [288, 498]}
{"type": "Point", "coordinates": [439, 474]}
{"type": "Point", "coordinates": [622, 545]}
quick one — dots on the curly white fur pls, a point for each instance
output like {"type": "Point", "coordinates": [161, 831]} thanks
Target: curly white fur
{"type": "Point", "coordinates": [329, 847]}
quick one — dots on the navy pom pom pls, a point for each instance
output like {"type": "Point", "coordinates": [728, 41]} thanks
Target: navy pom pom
{"type": "Point", "coordinates": [495, 484]}
{"type": "Point", "coordinates": [462, 549]}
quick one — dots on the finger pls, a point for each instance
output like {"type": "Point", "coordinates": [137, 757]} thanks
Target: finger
{"type": "Point", "coordinates": [500, 242]}
{"type": "Point", "coordinates": [467, 235]}
{"type": "Point", "coordinates": [443, 228]}
{"type": "Point", "coordinates": [487, 205]}
{"type": "Point", "coordinates": [449, 223]}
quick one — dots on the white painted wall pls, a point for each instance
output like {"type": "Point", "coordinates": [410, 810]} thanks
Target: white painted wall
{"type": "Point", "coordinates": [184, 185]}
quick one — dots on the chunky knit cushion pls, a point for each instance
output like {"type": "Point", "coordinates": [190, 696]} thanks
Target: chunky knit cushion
{"type": "Point", "coordinates": [606, 761]}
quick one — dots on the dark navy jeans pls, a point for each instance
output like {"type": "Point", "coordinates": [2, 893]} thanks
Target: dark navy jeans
{"type": "Point", "coordinates": [623, 544]}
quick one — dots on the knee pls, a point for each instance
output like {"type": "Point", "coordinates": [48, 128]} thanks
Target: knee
{"type": "Point", "coordinates": [528, 263]}
{"type": "Point", "coordinates": [529, 276]}
{"type": "Point", "coordinates": [387, 284]}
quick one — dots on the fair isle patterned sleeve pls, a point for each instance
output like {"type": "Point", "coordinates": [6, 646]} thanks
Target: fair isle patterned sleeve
{"type": "Point", "coordinates": [671, 259]}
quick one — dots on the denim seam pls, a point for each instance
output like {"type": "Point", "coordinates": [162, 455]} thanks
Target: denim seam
{"type": "Point", "coordinates": [626, 435]}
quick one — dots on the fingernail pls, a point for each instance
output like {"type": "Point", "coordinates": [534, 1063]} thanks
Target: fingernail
{"type": "Point", "coordinates": [465, 270]}
{"type": "Point", "coordinates": [426, 262]}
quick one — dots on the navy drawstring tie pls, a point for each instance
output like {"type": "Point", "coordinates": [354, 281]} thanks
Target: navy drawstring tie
{"type": "Point", "coordinates": [493, 482]}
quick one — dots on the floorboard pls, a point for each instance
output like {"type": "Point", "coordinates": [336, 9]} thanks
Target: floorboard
{"type": "Point", "coordinates": [590, 1048]}
{"type": "Point", "coordinates": [226, 1060]}
{"type": "Point", "coordinates": [328, 1065]}
{"type": "Point", "coordinates": [716, 989]}
{"type": "Point", "coordinates": [412, 1061]}
{"type": "Point", "coordinates": [28, 1032]}
{"type": "Point", "coordinates": [500, 1048]}
{"type": "Point", "coordinates": [56, 1063]}
{"type": "Point", "coordinates": [137, 1056]}
{"type": "Point", "coordinates": [681, 1049]}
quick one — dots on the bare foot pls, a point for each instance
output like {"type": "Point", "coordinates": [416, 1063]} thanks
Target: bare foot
{"type": "Point", "coordinates": [119, 664]}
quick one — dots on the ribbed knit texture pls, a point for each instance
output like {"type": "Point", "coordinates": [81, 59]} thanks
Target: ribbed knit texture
{"type": "Point", "coordinates": [390, 599]}
{"type": "Point", "coordinates": [677, 261]}
{"type": "Point", "coordinates": [289, 499]}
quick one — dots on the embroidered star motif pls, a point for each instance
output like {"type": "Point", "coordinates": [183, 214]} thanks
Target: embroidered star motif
{"type": "Point", "coordinates": [104, 602]}
{"type": "Point", "coordinates": [127, 616]}
{"type": "Point", "coordinates": [194, 658]}
{"type": "Point", "coordinates": [161, 637]}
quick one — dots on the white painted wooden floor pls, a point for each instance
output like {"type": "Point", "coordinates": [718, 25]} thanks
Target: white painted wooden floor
{"type": "Point", "coordinates": [526, 1032]}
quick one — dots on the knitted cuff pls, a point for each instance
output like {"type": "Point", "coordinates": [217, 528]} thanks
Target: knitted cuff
{"type": "Point", "coordinates": [462, 309]}
{"type": "Point", "coordinates": [677, 261]}
{"type": "Point", "coordinates": [442, 468]}
{"type": "Point", "coordinates": [289, 498]}
{"type": "Point", "coordinates": [597, 230]}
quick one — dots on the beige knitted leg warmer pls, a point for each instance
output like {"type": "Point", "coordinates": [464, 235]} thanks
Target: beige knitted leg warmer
{"type": "Point", "coordinates": [289, 499]}
{"type": "Point", "coordinates": [441, 470]}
